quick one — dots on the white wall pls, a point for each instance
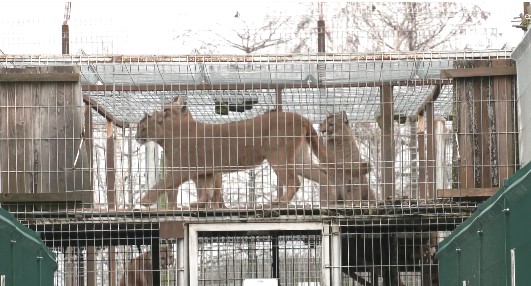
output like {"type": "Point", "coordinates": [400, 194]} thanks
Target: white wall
{"type": "Point", "coordinates": [522, 56]}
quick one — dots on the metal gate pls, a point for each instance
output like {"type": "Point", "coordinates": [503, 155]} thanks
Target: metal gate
{"type": "Point", "coordinates": [235, 254]}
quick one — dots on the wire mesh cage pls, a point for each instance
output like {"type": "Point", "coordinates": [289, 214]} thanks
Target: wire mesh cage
{"type": "Point", "coordinates": [287, 149]}
{"type": "Point", "coordinates": [431, 138]}
{"type": "Point", "coordinates": [401, 127]}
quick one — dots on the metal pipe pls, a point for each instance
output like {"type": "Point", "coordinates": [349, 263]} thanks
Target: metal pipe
{"type": "Point", "coordinates": [180, 262]}
{"type": "Point", "coordinates": [336, 254]}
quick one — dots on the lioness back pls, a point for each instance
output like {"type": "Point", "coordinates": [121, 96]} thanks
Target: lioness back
{"type": "Point", "coordinates": [235, 144]}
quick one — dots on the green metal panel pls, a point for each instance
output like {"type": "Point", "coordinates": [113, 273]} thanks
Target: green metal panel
{"type": "Point", "coordinates": [493, 262]}
{"type": "Point", "coordinates": [486, 239]}
{"type": "Point", "coordinates": [24, 259]}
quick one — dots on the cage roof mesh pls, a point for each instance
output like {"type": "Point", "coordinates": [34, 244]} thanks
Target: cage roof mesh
{"type": "Point", "coordinates": [310, 82]}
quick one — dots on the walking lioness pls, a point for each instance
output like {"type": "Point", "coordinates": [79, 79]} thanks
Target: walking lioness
{"type": "Point", "coordinates": [209, 186]}
{"type": "Point", "coordinates": [341, 145]}
{"type": "Point", "coordinates": [195, 149]}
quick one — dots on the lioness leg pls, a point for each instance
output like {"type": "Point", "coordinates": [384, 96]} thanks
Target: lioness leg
{"type": "Point", "coordinates": [289, 179]}
{"type": "Point", "coordinates": [358, 189]}
{"type": "Point", "coordinates": [327, 189]}
{"type": "Point", "coordinates": [209, 191]}
{"type": "Point", "coordinates": [168, 183]}
{"type": "Point", "coordinates": [316, 173]}
{"type": "Point", "coordinates": [218, 200]}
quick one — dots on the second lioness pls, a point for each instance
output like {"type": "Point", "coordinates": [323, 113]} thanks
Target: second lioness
{"type": "Point", "coordinates": [342, 146]}
{"type": "Point", "coordinates": [195, 149]}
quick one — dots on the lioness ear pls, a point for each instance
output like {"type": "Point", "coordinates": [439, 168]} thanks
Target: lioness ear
{"type": "Point", "coordinates": [167, 111]}
{"type": "Point", "coordinates": [179, 100]}
{"type": "Point", "coordinates": [160, 118]}
{"type": "Point", "coordinates": [344, 116]}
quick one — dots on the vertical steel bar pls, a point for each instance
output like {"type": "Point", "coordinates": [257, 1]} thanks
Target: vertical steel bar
{"type": "Point", "coordinates": [336, 254]}
{"type": "Point", "coordinates": [191, 263]}
{"type": "Point", "coordinates": [180, 261]}
{"type": "Point", "coordinates": [275, 264]}
{"type": "Point", "coordinates": [325, 254]}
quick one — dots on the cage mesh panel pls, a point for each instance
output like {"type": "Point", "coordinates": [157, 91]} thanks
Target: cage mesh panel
{"type": "Point", "coordinates": [427, 140]}
{"type": "Point", "coordinates": [230, 259]}
{"type": "Point", "coordinates": [386, 257]}
{"type": "Point", "coordinates": [437, 145]}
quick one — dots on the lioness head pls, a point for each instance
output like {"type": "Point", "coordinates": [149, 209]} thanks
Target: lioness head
{"type": "Point", "coordinates": [152, 126]}
{"type": "Point", "coordinates": [149, 128]}
{"type": "Point", "coordinates": [334, 123]}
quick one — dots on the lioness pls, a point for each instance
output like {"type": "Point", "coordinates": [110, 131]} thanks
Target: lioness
{"type": "Point", "coordinates": [342, 146]}
{"type": "Point", "coordinates": [195, 149]}
{"type": "Point", "coordinates": [138, 271]}
{"type": "Point", "coordinates": [209, 186]}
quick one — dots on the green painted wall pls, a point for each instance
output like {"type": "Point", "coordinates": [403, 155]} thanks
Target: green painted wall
{"type": "Point", "coordinates": [479, 250]}
{"type": "Point", "coordinates": [24, 259]}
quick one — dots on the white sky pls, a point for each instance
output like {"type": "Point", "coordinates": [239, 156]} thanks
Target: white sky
{"type": "Point", "coordinates": [151, 27]}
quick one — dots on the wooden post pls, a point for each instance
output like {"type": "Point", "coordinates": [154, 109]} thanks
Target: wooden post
{"type": "Point", "coordinates": [278, 92]}
{"type": "Point", "coordinates": [388, 148]}
{"type": "Point", "coordinates": [71, 271]}
{"type": "Point", "coordinates": [413, 156]}
{"type": "Point", "coordinates": [91, 266]}
{"type": "Point", "coordinates": [430, 151]}
{"type": "Point", "coordinates": [421, 137]}
{"type": "Point", "coordinates": [440, 155]}
{"type": "Point", "coordinates": [504, 114]}
{"type": "Point", "coordinates": [112, 266]}
{"type": "Point", "coordinates": [65, 39]}
{"type": "Point", "coordinates": [89, 137]}
{"type": "Point", "coordinates": [111, 198]}
{"type": "Point", "coordinates": [65, 31]}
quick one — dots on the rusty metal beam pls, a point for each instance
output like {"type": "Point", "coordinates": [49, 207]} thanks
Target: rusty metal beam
{"type": "Point", "coordinates": [466, 192]}
{"type": "Point", "coordinates": [477, 72]}
{"type": "Point", "coordinates": [103, 112]}
{"type": "Point", "coordinates": [430, 99]}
